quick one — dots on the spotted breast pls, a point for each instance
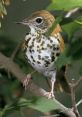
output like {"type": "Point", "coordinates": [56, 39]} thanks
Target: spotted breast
{"type": "Point", "coordinates": [42, 51]}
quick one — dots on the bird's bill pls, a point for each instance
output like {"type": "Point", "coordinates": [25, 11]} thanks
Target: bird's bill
{"type": "Point", "coordinates": [22, 22]}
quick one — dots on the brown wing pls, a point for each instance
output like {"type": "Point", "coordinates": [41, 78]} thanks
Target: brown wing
{"type": "Point", "coordinates": [61, 40]}
{"type": "Point", "coordinates": [61, 83]}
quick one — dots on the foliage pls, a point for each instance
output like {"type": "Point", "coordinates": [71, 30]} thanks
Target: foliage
{"type": "Point", "coordinates": [3, 11]}
{"type": "Point", "coordinates": [64, 5]}
{"type": "Point", "coordinates": [13, 90]}
{"type": "Point", "coordinates": [74, 48]}
{"type": "Point", "coordinates": [36, 103]}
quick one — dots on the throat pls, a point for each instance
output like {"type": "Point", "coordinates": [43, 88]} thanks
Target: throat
{"type": "Point", "coordinates": [33, 31]}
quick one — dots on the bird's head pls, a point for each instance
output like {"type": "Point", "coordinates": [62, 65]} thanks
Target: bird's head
{"type": "Point", "coordinates": [39, 21]}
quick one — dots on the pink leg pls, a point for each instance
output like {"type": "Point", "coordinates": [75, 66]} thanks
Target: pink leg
{"type": "Point", "coordinates": [27, 80]}
{"type": "Point", "coordinates": [51, 93]}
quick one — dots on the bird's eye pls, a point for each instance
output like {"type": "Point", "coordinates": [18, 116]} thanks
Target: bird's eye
{"type": "Point", "coordinates": [39, 20]}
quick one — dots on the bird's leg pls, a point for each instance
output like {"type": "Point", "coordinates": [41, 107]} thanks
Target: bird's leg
{"type": "Point", "coordinates": [27, 80]}
{"type": "Point", "coordinates": [52, 81]}
{"type": "Point", "coordinates": [52, 88]}
{"type": "Point", "coordinates": [51, 93]}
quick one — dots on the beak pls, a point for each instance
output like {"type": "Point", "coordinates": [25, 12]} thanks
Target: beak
{"type": "Point", "coordinates": [24, 22]}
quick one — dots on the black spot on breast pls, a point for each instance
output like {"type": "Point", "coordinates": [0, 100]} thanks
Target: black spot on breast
{"type": "Point", "coordinates": [43, 48]}
{"type": "Point", "coordinates": [51, 41]}
{"type": "Point", "coordinates": [57, 54]}
{"type": "Point", "coordinates": [46, 57]}
{"type": "Point", "coordinates": [26, 42]}
{"type": "Point", "coordinates": [30, 50]}
{"type": "Point", "coordinates": [32, 43]}
{"type": "Point", "coordinates": [33, 63]}
{"type": "Point", "coordinates": [39, 50]}
{"type": "Point", "coordinates": [57, 48]}
{"type": "Point", "coordinates": [33, 39]}
{"type": "Point", "coordinates": [38, 62]}
{"type": "Point", "coordinates": [34, 60]}
{"type": "Point", "coordinates": [39, 56]}
{"type": "Point", "coordinates": [38, 40]}
{"type": "Point", "coordinates": [42, 58]}
{"type": "Point", "coordinates": [48, 45]}
{"type": "Point", "coordinates": [30, 46]}
{"type": "Point", "coordinates": [52, 58]}
{"type": "Point", "coordinates": [42, 43]}
{"type": "Point", "coordinates": [31, 56]}
{"type": "Point", "coordinates": [47, 63]}
{"type": "Point", "coordinates": [37, 46]}
{"type": "Point", "coordinates": [27, 33]}
{"type": "Point", "coordinates": [54, 48]}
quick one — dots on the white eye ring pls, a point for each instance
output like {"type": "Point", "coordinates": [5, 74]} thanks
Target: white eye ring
{"type": "Point", "coordinates": [39, 20]}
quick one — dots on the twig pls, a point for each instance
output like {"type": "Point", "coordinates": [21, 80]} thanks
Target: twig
{"type": "Point", "coordinates": [71, 12]}
{"type": "Point", "coordinates": [74, 107]}
{"type": "Point", "coordinates": [18, 73]}
{"type": "Point", "coordinates": [79, 103]}
{"type": "Point", "coordinates": [73, 95]}
{"type": "Point", "coordinates": [78, 82]}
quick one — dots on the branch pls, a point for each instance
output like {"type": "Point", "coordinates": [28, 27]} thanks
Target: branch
{"type": "Point", "coordinates": [71, 12]}
{"type": "Point", "coordinates": [73, 95]}
{"type": "Point", "coordinates": [78, 82]}
{"type": "Point", "coordinates": [79, 102]}
{"type": "Point", "coordinates": [8, 64]}
{"type": "Point", "coordinates": [74, 105]}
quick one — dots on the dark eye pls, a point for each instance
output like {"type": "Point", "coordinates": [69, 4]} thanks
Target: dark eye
{"type": "Point", "coordinates": [39, 20]}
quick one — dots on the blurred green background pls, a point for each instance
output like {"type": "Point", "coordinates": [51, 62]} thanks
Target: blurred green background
{"type": "Point", "coordinates": [17, 11]}
{"type": "Point", "coordinates": [10, 36]}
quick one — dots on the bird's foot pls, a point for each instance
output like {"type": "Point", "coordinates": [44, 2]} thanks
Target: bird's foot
{"type": "Point", "coordinates": [50, 95]}
{"type": "Point", "coordinates": [27, 80]}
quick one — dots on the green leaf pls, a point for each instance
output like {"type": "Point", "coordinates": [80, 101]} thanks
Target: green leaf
{"type": "Point", "coordinates": [75, 49]}
{"type": "Point", "coordinates": [57, 21]}
{"type": "Point", "coordinates": [64, 4]}
{"type": "Point", "coordinates": [77, 55]}
{"type": "Point", "coordinates": [2, 8]}
{"type": "Point", "coordinates": [63, 60]}
{"type": "Point", "coordinates": [79, 20]}
{"type": "Point", "coordinates": [40, 104]}
{"type": "Point", "coordinates": [70, 28]}
{"type": "Point", "coordinates": [45, 105]}
{"type": "Point", "coordinates": [1, 114]}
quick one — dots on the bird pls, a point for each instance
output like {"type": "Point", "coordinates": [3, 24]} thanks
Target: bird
{"type": "Point", "coordinates": [42, 51]}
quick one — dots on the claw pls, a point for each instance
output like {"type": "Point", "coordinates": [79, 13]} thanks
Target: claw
{"type": "Point", "coordinates": [27, 80]}
{"type": "Point", "coordinates": [50, 95]}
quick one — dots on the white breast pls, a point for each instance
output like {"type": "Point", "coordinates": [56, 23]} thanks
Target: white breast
{"type": "Point", "coordinates": [38, 58]}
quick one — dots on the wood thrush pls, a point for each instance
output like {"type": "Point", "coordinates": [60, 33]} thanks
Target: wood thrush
{"type": "Point", "coordinates": [42, 51]}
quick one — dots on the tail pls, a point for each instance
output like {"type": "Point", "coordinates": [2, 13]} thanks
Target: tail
{"type": "Point", "coordinates": [61, 83]}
